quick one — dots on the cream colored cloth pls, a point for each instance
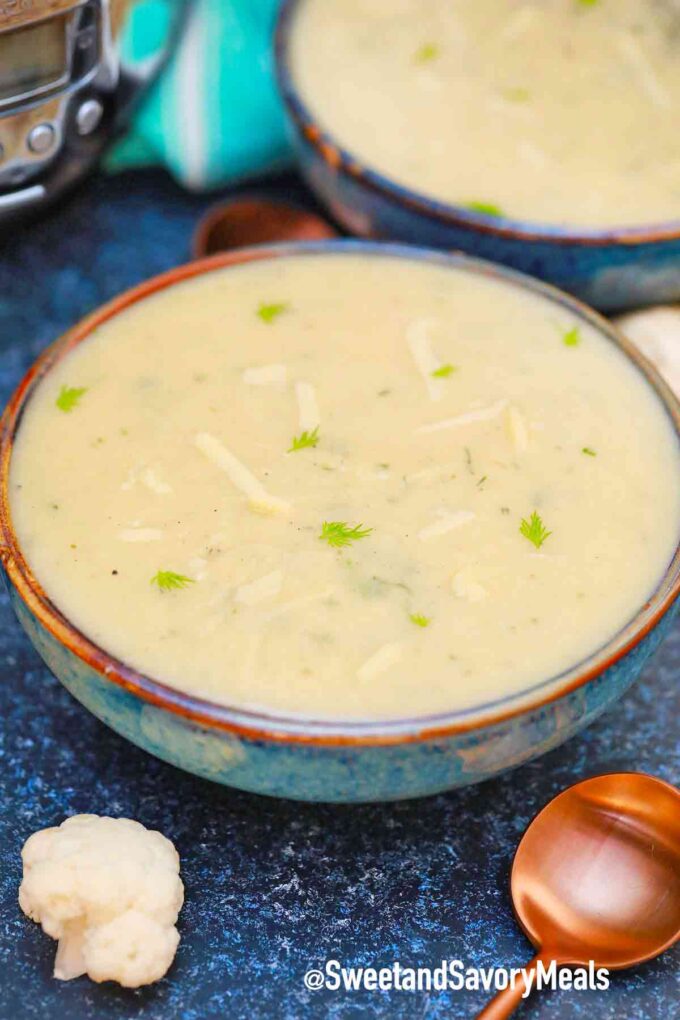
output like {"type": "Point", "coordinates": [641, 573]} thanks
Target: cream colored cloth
{"type": "Point", "coordinates": [656, 331]}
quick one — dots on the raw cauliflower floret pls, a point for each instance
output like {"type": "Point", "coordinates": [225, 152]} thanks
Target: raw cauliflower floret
{"type": "Point", "coordinates": [656, 331]}
{"type": "Point", "coordinates": [109, 890]}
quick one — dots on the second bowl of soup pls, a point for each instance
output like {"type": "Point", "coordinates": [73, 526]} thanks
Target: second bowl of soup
{"type": "Point", "coordinates": [542, 135]}
{"type": "Point", "coordinates": [342, 521]}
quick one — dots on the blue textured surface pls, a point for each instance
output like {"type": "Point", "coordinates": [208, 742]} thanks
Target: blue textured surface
{"type": "Point", "coordinates": [273, 887]}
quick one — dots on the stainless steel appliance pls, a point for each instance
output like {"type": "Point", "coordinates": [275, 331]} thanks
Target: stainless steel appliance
{"type": "Point", "coordinates": [70, 72]}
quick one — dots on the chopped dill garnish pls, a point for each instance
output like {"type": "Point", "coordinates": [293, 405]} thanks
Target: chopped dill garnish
{"type": "Point", "coordinates": [269, 313]}
{"type": "Point", "coordinates": [305, 440]}
{"type": "Point", "coordinates": [517, 94]}
{"type": "Point", "coordinates": [168, 580]}
{"type": "Point", "coordinates": [588, 452]}
{"type": "Point", "coordinates": [572, 338]}
{"type": "Point", "coordinates": [587, 3]}
{"type": "Point", "coordinates": [420, 620]}
{"type": "Point", "coordinates": [535, 530]}
{"type": "Point", "coordinates": [443, 372]}
{"type": "Point", "coordinates": [69, 397]}
{"type": "Point", "coordinates": [488, 208]}
{"type": "Point", "coordinates": [427, 52]}
{"type": "Point", "coordinates": [339, 533]}
{"type": "Point", "coordinates": [468, 460]}
{"type": "Point", "coordinates": [481, 481]}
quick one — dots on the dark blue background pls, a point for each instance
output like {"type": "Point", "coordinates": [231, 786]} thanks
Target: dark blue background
{"type": "Point", "coordinates": [272, 887]}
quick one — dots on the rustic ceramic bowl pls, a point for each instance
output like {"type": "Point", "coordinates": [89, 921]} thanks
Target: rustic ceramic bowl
{"type": "Point", "coordinates": [611, 269]}
{"type": "Point", "coordinates": [318, 759]}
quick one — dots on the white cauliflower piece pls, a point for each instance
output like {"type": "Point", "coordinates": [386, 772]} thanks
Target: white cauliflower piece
{"type": "Point", "coordinates": [656, 331]}
{"type": "Point", "coordinates": [109, 890]}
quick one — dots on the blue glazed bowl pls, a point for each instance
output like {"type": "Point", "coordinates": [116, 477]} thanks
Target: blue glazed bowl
{"type": "Point", "coordinates": [612, 269]}
{"type": "Point", "coordinates": [316, 759]}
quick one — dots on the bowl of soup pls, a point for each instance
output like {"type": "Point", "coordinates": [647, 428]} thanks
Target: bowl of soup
{"type": "Point", "coordinates": [540, 135]}
{"type": "Point", "coordinates": [342, 521]}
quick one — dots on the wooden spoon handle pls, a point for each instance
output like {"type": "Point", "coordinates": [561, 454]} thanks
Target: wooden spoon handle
{"type": "Point", "coordinates": [506, 1002]}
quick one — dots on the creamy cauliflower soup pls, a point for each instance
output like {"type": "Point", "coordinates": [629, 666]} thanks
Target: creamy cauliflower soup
{"type": "Point", "coordinates": [347, 485]}
{"type": "Point", "coordinates": [558, 111]}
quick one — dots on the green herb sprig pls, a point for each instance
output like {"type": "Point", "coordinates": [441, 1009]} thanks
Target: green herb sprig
{"type": "Point", "coordinates": [517, 94]}
{"type": "Point", "coordinates": [488, 208]}
{"type": "Point", "coordinates": [420, 620]}
{"type": "Point", "coordinates": [305, 440]}
{"type": "Point", "coordinates": [535, 530]}
{"type": "Point", "coordinates": [339, 534]}
{"type": "Point", "coordinates": [443, 372]}
{"type": "Point", "coordinates": [270, 312]}
{"type": "Point", "coordinates": [427, 52]}
{"type": "Point", "coordinates": [572, 337]}
{"type": "Point", "coordinates": [168, 580]}
{"type": "Point", "coordinates": [69, 397]}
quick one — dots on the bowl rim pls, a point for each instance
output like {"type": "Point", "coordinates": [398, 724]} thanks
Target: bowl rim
{"type": "Point", "coordinates": [272, 726]}
{"type": "Point", "coordinates": [340, 159]}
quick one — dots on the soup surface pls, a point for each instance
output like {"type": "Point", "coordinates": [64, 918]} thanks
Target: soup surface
{"type": "Point", "coordinates": [300, 483]}
{"type": "Point", "coordinates": [558, 111]}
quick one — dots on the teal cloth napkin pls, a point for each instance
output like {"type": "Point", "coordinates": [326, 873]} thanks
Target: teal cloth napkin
{"type": "Point", "coordinates": [214, 116]}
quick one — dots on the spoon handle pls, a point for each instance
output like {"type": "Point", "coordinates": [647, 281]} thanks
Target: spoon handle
{"type": "Point", "coordinates": [506, 1002]}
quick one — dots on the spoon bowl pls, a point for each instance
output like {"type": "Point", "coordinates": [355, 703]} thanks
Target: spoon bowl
{"type": "Point", "coordinates": [250, 220]}
{"type": "Point", "coordinates": [596, 877]}
{"type": "Point", "coordinates": [597, 874]}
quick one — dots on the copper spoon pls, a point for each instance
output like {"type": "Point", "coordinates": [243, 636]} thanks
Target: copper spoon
{"type": "Point", "coordinates": [251, 220]}
{"type": "Point", "coordinates": [597, 877]}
